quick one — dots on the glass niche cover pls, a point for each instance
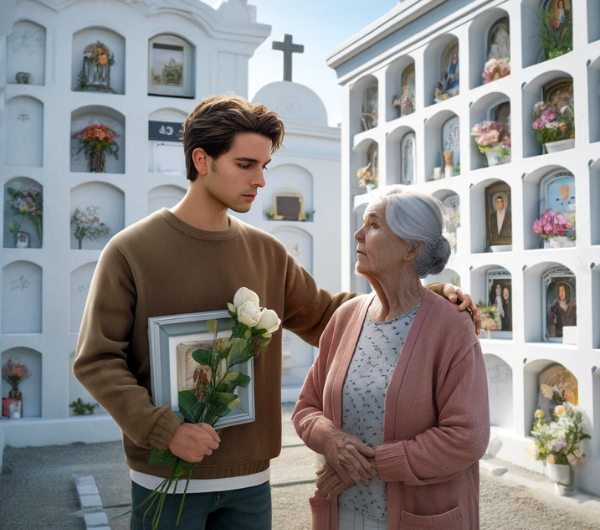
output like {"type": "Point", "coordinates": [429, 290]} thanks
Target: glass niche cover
{"type": "Point", "coordinates": [557, 210]}
{"type": "Point", "coordinates": [449, 84]}
{"type": "Point", "coordinates": [498, 208]}
{"type": "Point", "coordinates": [499, 292]}
{"type": "Point", "coordinates": [409, 159]}
{"type": "Point", "coordinates": [406, 105]}
{"type": "Point", "coordinates": [560, 305]}
{"type": "Point", "coordinates": [170, 67]}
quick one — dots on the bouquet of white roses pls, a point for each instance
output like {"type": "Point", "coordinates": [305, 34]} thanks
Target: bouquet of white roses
{"type": "Point", "coordinates": [214, 395]}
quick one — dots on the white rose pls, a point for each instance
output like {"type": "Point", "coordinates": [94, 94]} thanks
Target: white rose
{"type": "Point", "coordinates": [269, 321]}
{"type": "Point", "coordinates": [249, 313]}
{"type": "Point", "coordinates": [245, 295]}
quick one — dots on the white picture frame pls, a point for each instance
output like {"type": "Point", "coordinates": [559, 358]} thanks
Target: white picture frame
{"type": "Point", "coordinates": [169, 336]}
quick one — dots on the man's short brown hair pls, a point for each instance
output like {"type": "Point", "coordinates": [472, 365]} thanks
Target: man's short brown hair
{"type": "Point", "coordinates": [214, 122]}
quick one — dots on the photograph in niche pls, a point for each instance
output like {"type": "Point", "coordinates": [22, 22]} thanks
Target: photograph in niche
{"type": "Point", "coordinates": [449, 84]}
{"type": "Point", "coordinates": [561, 302]}
{"type": "Point", "coordinates": [499, 292]}
{"type": "Point", "coordinates": [559, 92]}
{"type": "Point", "coordinates": [499, 43]}
{"type": "Point", "coordinates": [370, 113]}
{"type": "Point", "coordinates": [409, 157]}
{"type": "Point", "coordinates": [498, 216]}
{"type": "Point", "coordinates": [167, 65]}
{"type": "Point", "coordinates": [451, 144]}
{"type": "Point", "coordinates": [556, 376]}
{"type": "Point", "coordinates": [408, 91]}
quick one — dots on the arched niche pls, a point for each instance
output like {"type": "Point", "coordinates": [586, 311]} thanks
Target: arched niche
{"type": "Point", "coordinates": [546, 372]}
{"type": "Point", "coordinates": [25, 138]}
{"type": "Point", "coordinates": [489, 39]}
{"type": "Point", "coordinates": [30, 192]}
{"type": "Point", "coordinates": [500, 390]}
{"type": "Point", "coordinates": [22, 298]}
{"type": "Point", "coordinates": [98, 61]}
{"type": "Point", "coordinates": [595, 202]}
{"type": "Point", "coordinates": [79, 287]}
{"type": "Point", "coordinates": [298, 243]}
{"type": "Point", "coordinates": [594, 95]}
{"type": "Point", "coordinates": [164, 197]}
{"type": "Point", "coordinates": [452, 221]}
{"type": "Point", "coordinates": [31, 387]}
{"type": "Point", "coordinates": [442, 60]}
{"type": "Point", "coordinates": [292, 178]}
{"type": "Point", "coordinates": [401, 156]}
{"type": "Point", "coordinates": [593, 17]}
{"type": "Point", "coordinates": [554, 88]}
{"type": "Point", "coordinates": [496, 108]}
{"type": "Point", "coordinates": [442, 133]}
{"type": "Point", "coordinates": [170, 66]}
{"type": "Point", "coordinates": [401, 87]}
{"type": "Point", "coordinates": [78, 391]}
{"type": "Point", "coordinates": [531, 12]}
{"type": "Point", "coordinates": [491, 216]}
{"type": "Point", "coordinates": [446, 276]}
{"type": "Point", "coordinates": [97, 115]}
{"type": "Point", "coordinates": [364, 104]}
{"type": "Point", "coordinates": [101, 200]}
{"type": "Point", "coordinates": [491, 286]}
{"type": "Point", "coordinates": [26, 54]}
{"type": "Point", "coordinates": [165, 149]}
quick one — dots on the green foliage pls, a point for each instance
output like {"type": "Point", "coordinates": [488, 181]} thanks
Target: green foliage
{"type": "Point", "coordinates": [202, 357]}
{"type": "Point", "coordinates": [83, 409]}
{"type": "Point", "coordinates": [554, 44]}
{"type": "Point", "coordinates": [88, 225]}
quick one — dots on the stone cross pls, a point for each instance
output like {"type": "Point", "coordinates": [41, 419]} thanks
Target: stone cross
{"type": "Point", "coordinates": [287, 48]}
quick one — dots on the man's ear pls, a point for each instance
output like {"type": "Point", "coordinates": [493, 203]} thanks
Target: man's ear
{"type": "Point", "coordinates": [200, 159]}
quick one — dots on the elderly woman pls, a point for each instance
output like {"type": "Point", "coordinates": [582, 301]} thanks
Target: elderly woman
{"type": "Point", "coordinates": [397, 401]}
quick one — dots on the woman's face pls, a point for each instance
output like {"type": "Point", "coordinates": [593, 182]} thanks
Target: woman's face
{"type": "Point", "coordinates": [498, 290]}
{"type": "Point", "coordinates": [562, 294]}
{"type": "Point", "coordinates": [454, 58]}
{"type": "Point", "coordinates": [379, 252]}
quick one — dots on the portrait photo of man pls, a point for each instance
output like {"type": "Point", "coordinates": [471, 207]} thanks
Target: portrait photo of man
{"type": "Point", "coordinates": [499, 216]}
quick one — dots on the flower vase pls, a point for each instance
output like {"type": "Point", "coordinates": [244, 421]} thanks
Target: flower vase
{"type": "Point", "coordinates": [370, 187]}
{"type": "Point", "coordinates": [561, 242]}
{"type": "Point", "coordinates": [22, 240]}
{"type": "Point", "coordinates": [12, 406]}
{"type": "Point", "coordinates": [560, 145]}
{"type": "Point", "coordinates": [494, 156]}
{"type": "Point", "coordinates": [563, 477]}
{"type": "Point", "coordinates": [97, 163]}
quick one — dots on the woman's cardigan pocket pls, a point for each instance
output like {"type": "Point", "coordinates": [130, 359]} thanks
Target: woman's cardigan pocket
{"type": "Point", "coordinates": [451, 520]}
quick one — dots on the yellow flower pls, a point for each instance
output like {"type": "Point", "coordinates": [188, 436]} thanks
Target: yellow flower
{"type": "Point", "coordinates": [551, 460]}
{"type": "Point", "coordinates": [560, 410]}
{"type": "Point", "coordinates": [102, 59]}
{"type": "Point", "coordinates": [539, 414]}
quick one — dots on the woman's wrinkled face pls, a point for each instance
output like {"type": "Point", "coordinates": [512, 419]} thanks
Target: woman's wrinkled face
{"type": "Point", "coordinates": [379, 251]}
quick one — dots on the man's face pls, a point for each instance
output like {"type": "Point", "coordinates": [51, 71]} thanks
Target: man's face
{"type": "Point", "coordinates": [234, 178]}
{"type": "Point", "coordinates": [500, 204]}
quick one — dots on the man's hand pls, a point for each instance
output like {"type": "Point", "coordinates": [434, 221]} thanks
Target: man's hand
{"type": "Point", "coordinates": [192, 442]}
{"type": "Point", "coordinates": [455, 295]}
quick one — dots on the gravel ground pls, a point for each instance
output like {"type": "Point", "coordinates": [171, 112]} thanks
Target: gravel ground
{"type": "Point", "coordinates": [37, 491]}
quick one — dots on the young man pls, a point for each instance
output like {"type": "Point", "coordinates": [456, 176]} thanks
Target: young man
{"type": "Point", "coordinates": [193, 258]}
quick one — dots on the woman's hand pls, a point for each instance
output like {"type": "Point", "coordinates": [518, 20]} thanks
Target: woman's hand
{"type": "Point", "coordinates": [455, 295]}
{"type": "Point", "coordinates": [329, 482]}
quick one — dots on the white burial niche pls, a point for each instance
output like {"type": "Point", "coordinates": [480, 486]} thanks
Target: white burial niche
{"type": "Point", "coordinates": [492, 286]}
{"type": "Point", "coordinates": [500, 389]}
{"type": "Point", "coordinates": [402, 156]}
{"type": "Point", "coordinates": [364, 105]}
{"type": "Point", "coordinates": [26, 54]}
{"type": "Point", "coordinates": [164, 197]}
{"type": "Point", "coordinates": [22, 298]}
{"type": "Point", "coordinates": [442, 146]}
{"type": "Point", "coordinates": [23, 213]}
{"type": "Point", "coordinates": [452, 225]}
{"type": "Point", "coordinates": [31, 387]}
{"type": "Point", "coordinates": [170, 67]}
{"type": "Point", "coordinates": [165, 149]}
{"type": "Point", "coordinates": [98, 61]}
{"type": "Point", "coordinates": [400, 80]}
{"type": "Point", "coordinates": [25, 127]}
{"type": "Point", "coordinates": [289, 194]}
{"type": "Point", "coordinates": [442, 69]}
{"type": "Point", "coordinates": [490, 131]}
{"type": "Point", "coordinates": [491, 216]}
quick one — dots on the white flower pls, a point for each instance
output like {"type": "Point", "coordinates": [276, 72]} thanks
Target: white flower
{"type": "Point", "coordinates": [572, 459]}
{"type": "Point", "coordinates": [269, 321]}
{"type": "Point", "coordinates": [578, 453]}
{"type": "Point", "coordinates": [245, 295]}
{"type": "Point", "coordinates": [249, 313]}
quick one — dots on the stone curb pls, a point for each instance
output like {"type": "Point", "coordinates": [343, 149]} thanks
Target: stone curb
{"type": "Point", "coordinates": [91, 503]}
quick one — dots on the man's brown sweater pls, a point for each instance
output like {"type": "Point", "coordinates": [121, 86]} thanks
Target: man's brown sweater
{"type": "Point", "coordinates": [163, 266]}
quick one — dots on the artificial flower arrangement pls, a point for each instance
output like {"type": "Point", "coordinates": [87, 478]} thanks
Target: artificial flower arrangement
{"type": "Point", "coordinates": [558, 441]}
{"type": "Point", "coordinates": [14, 373]}
{"type": "Point", "coordinates": [556, 224]}
{"type": "Point", "coordinates": [27, 204]}
{"type": "Point", "coordinates": [489, 318]}
{"type": "Point", "coordinates": [495, 69]}
{"type": "Point", "coordinates": [213, 397]}
{"type": "Point", "coordinates": [367, 178]}
{"type": "Point", "coordinates": [96, 141]}
{"type": "Point", "coordinates": [493, 140]}
{"type": "Point", "coordinates": [88, 225]}
{"type": "Point", "coordinates": [553, 124]}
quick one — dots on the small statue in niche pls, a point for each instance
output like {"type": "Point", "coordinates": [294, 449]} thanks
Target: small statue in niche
{"type": "Point", "coordinates": [22, 78]}
{"type": "Point", "coordinates": [370, 113]}
{"type": "Point", "coordinates": [449, 86]}
{"type": "Point", "coordinates": [95, 71]}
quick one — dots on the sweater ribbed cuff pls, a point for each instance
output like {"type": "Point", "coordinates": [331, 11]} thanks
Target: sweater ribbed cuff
{"type": "Point", "coordinates": [163, 429]}
{"type": "Point", "coordinates": [390, 461]}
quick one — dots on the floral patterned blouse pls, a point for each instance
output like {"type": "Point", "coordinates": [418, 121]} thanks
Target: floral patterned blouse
{"type": "Point", "coordinates": [377, 352]}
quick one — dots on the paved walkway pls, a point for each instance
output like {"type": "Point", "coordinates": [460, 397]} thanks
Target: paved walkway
{"type": "Point", "coordinates": [37, 490]}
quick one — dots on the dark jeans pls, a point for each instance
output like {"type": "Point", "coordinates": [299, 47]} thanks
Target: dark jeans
{"type": "Point", "coordinates": [247, 509]}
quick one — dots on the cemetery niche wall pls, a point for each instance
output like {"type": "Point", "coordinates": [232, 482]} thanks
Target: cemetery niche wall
{"type": "Point", "coordinates": [165, 153]}
{"type": "Point", "coordinates": [170, 67]}
{"type": "Point", "coordinates": [26, 54]}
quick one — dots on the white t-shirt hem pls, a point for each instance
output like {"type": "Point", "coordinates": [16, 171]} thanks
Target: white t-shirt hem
{"type": "Point", "coordinates": [204, 486]}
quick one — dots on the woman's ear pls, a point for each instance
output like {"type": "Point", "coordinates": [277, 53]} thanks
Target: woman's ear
{"type": "Point", "coordinates": [413, 251]}
{"type": "Point", "coordinates": [199, 157]}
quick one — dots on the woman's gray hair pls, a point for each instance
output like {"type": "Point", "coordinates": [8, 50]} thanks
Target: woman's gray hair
{"type": "Point", "coordinates": [417, 217]}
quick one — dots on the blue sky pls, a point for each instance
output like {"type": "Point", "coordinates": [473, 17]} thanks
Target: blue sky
{"type": "Point", "coordinates": [320, 25]}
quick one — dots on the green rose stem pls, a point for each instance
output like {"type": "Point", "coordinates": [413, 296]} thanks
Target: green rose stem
{"type": "Point", "coordinates": [244, 343]}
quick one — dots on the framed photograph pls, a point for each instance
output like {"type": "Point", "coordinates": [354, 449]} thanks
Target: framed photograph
{"type": "Point", "coordinates": [173, 339]}
{"type": "Point", "coordinates": [501, 114]}
{"type": "Point", "coordinates": [288, 205]}
{"type": "Point", "coordinates": [499, 292]}
{"type": "Point", "coordinates": [561, 17]}
{"type": "Point", "coordinates": [560, 302]}
{"type": "Point", "coordinates": [451, 140]}
{"type": "Point", "coordinates": [499, 40]}
{"type": "Point", "coordinates": [170, 67]}
{"type": "Point", "coordinates": [557, 375]}
{"type": "Point", "coordinates": [498, 210]}
{"type": "Point", "coordinates": [407, 105]}
{"type": "Point", "coordinates": [409, 159]}
{"type": "Point", "coordinates": [558, 92]}
{"type": "Point", "coordinates": [451, 70]}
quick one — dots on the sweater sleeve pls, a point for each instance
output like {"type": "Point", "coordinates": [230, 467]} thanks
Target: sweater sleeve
{"type": "Point", "coordinates": [102, 351]}
{"type": "Point", "coordinates": [459, 440]}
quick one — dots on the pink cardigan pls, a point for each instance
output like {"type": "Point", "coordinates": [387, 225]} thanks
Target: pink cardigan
{"type": "Point", "coordinates": [436, 421]}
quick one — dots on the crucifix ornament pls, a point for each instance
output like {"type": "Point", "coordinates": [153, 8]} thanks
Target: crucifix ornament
{"type": "Point", "coordinates": [287, 48]}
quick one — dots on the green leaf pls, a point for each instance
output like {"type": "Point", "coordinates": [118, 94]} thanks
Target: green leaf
{"type": "Point", "coordinates": [243, 380]}
{"type": "Point", "coordinates": [202, 357]}
{"type": "Point", "coordinates": [260, 331]}
{"type": "Point", "coordinates": [248, 334]}
{"type": "Point", "coordinates": [225, 398]}
{"type": "Point", "coordinates": [162, 458]}
{"type": "Point", "coordinates": [233, 403]}
{"type": "Point", "coordinates": [197, 410]}
{"type": "Point", "coordinates": [230, 377]}
{"type": "Point", "coordinates": [232, 309]}
{"type": "Point", "coordinates": [187, 399]}
{"type": "Point", "coordinates": [238, 345]}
